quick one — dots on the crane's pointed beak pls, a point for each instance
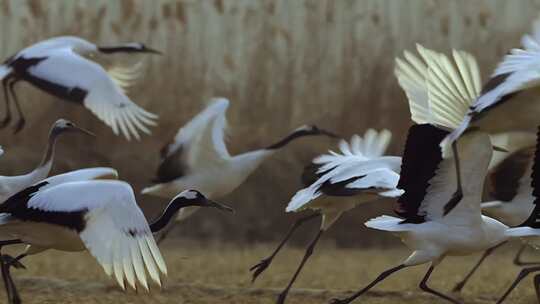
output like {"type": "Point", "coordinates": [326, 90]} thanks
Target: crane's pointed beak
{"type": "Point", "coordinates": [83, 131]}
{"type": "Point", "coordinates": [152, 51]}
{"type": "Point", "coordinates": [213, 204]}
{"type": "Point", "coordinates": [500, 149]}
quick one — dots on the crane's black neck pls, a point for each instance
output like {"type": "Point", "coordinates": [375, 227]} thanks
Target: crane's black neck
{"type": "Point", "coordinates": [51, 144]}
{"type": "Point", "coordinates": [289, 138]}
{"type": "Point", "coordinates": [169, 212]}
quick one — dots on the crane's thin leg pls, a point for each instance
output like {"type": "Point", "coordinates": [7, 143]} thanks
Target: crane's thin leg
{"type": "Point", "coordinates": [7, 117]}
{"type": "Point", "coordinates": [424, 287]}
{"type": "Point", "coordinates": [264, 263]}
{"type": "Point", "coordinates": [380, 278]}
{"type": "Point", "coordinates": [517, 259]}
{"type": "Point", "coordinates": [309, 252]}
{"type": "Point", "coordinates": [537, 286]}
{"type": "Point", "coordinates": [21, 122]}
{"type": "Point", "coordinates": [459, 286]}
{"type": "Point", "coordinates": [14, 261]}
{"type": "Point", "coordinates": [11, 290]}
{"type": "Point", "coordinates": [522, 274]}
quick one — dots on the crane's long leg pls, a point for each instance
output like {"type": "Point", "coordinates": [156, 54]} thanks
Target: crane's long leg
{"type": "Point", "coordinates": [21, 122]}
{"type": "Point", "coordinates": [459, 286]}
{"type": "Point", "coordinates": [380, 278]}
{"type": "Point", "coordinates": [309, 252]}
{"type": "Point", "coordinates": [537, 286]}
{"type": "Point", "coordinates": [264, 263]}
{"type": "Point", "coordinates": [522, 274]}
{"type": "Point", "coordinates": [517, 259]}
{"type": "Point", "coordinates": [11, 290]}
{"type": "Point", "coordinates": [423, 285]}
{"type": "Point", "coordinates": [7, 117]}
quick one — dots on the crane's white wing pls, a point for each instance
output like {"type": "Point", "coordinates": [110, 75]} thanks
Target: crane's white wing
{"type": "Point", "coordinates": [360, 166]}
{"type": "Point", "coordinates": [199, 143]}
{"type": "Point", "coordinates": [82, 175]}
{"type": "Point", "coordinates": [374, 176]}
{"type": "Point", "coordinates": [452, 86]}
{"type": "Point", "coordinates": [209, 148]}
{"type": "Point", "coordinates": [125, 76]}
{"type": "Point", "coordinates": [104, 97]}
{"type": "Point", "coordinates": [116, 232]}
{"type": "Point", "coordinates": [518, 71]}
{"type": "Point", "coordinates": [439, 89]}
{"type": "Point", "coordinates": [411, 74]}
{"type": "Point", "coordinates": [373, 144]}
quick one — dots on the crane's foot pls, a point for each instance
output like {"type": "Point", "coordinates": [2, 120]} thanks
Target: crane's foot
{"type": "Point", "coordinates": [12, 262]}
{"type": "Point", "coordinates": [282, 297]}
{"type": "Point", "coordinates": [341, 301]}
{"type": "Point", "coordinates": [459, 286]}
{"type": "Point", "coordinates": [260, 268]}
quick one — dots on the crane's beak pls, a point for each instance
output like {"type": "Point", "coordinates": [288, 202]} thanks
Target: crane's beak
{"type": "Point", "coordinates": [500, 149]}
{"type": "Point", "coordinates": [212, 204]}
{"type": "Point", "coordinates": [83, 131]}
{"type": "Point", "coordinates": [152, 51]}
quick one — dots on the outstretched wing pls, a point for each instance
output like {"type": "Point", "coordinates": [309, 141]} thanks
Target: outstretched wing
{"type": "Point", "coordinates": [115, 230]}
{"type": "Point", "coordinates": [429, 179]}
{"type": "Point", "coordinates": [411, 73]}
{"type": "Point", "coordinates": [452, 86]}
{"type": "Point", "coordinates": [95, 88]}
{"type": "Point", "coordinates": [200, 142]}
{"type": "Point", "coordinates": [519, 70]}
{"type": "Point", "coordinates": [82, 175]}
{"type": "Point", "coordinates": [439, 88]}
{"type": "Point", "coordinates": [125, 76]}
{"type": "Point", "coordinates": [421, 158]}
{"type": "Point", "coordinates": [359, 168]}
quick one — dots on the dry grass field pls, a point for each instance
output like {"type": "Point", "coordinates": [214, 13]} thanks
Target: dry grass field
{"type": "Point", "coordinates": [213, 273]}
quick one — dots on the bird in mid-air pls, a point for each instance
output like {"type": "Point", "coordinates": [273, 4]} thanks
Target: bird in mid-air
{"type": "Point", "coordinates": [62, 67]}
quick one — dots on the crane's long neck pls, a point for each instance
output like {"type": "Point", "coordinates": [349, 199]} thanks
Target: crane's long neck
{"type": "Point", "coordinates": [287, 139]}
{"type": "Point", "coordinates": [48, 157]}
{"type": "Point", "coordinates": [169, 212]}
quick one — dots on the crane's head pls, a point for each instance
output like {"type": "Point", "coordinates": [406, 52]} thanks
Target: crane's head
{"type": "Point", "coordinates": [66, 126]}
{"type": "Point", "coordinates": [313, 130]}
{"type": "Point", "coordinates": [132, 47]}
{"type": "Point", "coordinates": [195, 198]}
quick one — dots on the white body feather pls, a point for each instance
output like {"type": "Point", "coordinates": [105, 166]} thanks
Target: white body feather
{"type": "Point", "coordinates": [463, 230]}
{"type": "Point", "coordinates": [208, 165]}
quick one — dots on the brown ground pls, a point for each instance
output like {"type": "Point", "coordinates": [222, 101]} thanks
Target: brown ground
{"type": "Point", "coordinates": [218, 274]}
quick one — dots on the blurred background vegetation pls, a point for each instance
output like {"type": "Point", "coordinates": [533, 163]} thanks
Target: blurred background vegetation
{"type": "Point", "coordinates": [282, 63]}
